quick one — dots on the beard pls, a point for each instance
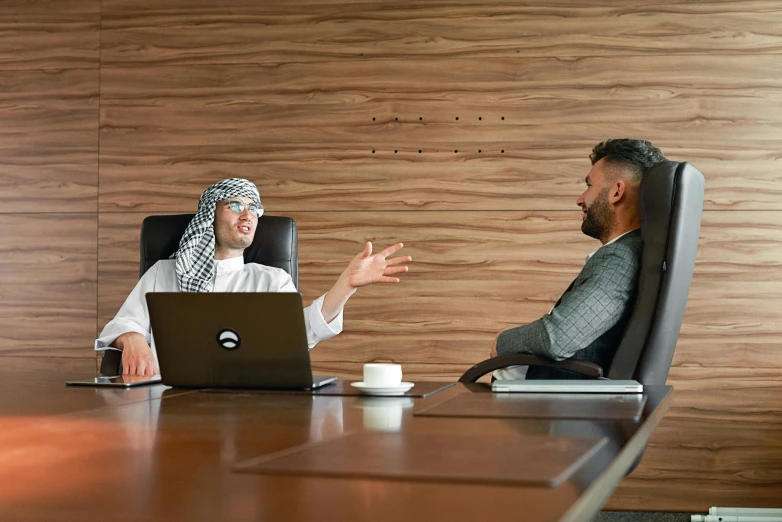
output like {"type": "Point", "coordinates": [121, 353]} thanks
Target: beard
{"type": "Point", "coordinates": [599, 217]}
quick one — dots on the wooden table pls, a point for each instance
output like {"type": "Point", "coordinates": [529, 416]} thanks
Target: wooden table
{"type": "Point", "coordinates": [153, 453]}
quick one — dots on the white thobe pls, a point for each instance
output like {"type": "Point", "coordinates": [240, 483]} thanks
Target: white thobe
{"type": "Point", "coordinates": [231, 275]}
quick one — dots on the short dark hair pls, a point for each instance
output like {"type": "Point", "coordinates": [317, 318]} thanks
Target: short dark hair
{"type": "Point", "coordinates": [633, 157]}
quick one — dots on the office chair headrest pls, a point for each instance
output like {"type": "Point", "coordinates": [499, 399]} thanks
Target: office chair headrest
{"type": "Point", "coordinates": [275, 243]}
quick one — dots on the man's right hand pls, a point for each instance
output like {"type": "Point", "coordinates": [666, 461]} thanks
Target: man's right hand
{"type": "Point", "coordinates": [493, 352]}
{"type": "Point", "coordinates": [137, 358]}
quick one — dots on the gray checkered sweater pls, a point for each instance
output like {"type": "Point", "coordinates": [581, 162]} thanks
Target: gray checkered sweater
{"type": "Point", "coordinates": [588, 321]}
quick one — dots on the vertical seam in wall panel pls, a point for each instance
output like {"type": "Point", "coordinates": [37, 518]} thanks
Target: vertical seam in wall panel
{"type": "Point", "coordinates": [97, 195]}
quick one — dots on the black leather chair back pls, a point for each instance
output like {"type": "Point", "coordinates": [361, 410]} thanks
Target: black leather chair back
{"type": "Point", "coordinates": [671, 207]}
{"type": "Point", "coordinates": [275, 243]}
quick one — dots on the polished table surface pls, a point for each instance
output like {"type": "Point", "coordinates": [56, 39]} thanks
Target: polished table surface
{"type": "Point", "coordinates": [156, 453]}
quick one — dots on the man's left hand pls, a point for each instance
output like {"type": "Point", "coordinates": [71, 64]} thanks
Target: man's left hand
{"type": "Point", "coordinates": [366, 269]}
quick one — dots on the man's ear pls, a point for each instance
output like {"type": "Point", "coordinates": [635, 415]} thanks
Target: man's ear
{"type": "Point", "coordinates": [617, 191]}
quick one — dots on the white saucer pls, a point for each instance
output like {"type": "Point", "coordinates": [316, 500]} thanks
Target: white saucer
{"type": "Point", "coordinates": [383, 390]}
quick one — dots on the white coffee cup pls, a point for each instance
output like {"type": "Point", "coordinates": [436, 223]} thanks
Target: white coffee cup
{"type": "Point", "coordinates": [377, 375]}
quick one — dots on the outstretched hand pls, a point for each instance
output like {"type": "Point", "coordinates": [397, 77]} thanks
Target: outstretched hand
{"type": "Point", "coordinates": [366, 269]}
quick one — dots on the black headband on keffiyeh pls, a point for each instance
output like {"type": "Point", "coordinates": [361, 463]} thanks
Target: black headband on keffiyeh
{"type": "Point", "coordinates": [195, 263]}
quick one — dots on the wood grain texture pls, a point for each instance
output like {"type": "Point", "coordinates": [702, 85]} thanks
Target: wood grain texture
{"type": "Point", "coordinates": [46, 34]}
{"type": "Point", "coordinates": [731, 319]}
{"type": "Point", "coordinates": [305, 132]}
{"type": "Point", "coordinates": [176, 31]}
{"type": "Point", "coordinates": [718, 444]}
{"type": "Point", "coordinates": [19, 367]}
{"type": "Point", "coordinates": [476, 273]}
{"type": "Point", "coordinates": [285, 94]}
{"type": "Point", "coordinates": [412, 372]}
{"type": "Point", "coordinates": [150, 442]}
{"type": "Point", "coordinates": [48, 284]}
{"type": "Point", "coordinates": [49, 141]}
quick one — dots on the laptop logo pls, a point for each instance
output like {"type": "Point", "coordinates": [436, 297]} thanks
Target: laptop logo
{"type": "Point", "coordinates": [229, 339]}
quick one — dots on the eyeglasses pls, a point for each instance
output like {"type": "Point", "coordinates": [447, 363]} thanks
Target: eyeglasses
{"type": "Point", "coordinates": [238, 206]}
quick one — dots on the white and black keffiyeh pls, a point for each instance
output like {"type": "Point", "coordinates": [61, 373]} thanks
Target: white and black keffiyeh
{"type": "Point", "coordinates": [195, 258]}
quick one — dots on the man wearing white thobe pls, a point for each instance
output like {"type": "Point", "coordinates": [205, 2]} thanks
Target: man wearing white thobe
{"type": "Point", "coordinates": [210, 259]}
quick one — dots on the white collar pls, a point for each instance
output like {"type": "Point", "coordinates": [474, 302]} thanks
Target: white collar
{"type": "Point", "coordinates": [233, 264]}
{"type": "Point", "coordinates": [613, 240]}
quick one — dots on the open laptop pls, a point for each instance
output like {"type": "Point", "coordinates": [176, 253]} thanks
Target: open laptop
{"type": "Point", "coordinates": [232, 340]}
{"type": "Point", "coordinates": [567, 386]}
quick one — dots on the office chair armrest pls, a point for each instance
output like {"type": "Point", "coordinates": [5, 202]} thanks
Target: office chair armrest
{"type": "Point", "coordinates": [495, 363]}
{"type": "Point", "coordinates": [111, 364]}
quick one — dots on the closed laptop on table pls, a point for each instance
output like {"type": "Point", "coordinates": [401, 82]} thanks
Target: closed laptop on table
{"type": "Point", "coordinates": [565, 386]}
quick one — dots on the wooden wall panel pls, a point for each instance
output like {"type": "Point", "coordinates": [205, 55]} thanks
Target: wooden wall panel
{"type": "Point", "coordinates": [185, 32]}
{"type": "Point", "coordinates": [520, 180]}
{"type": "Point", "coordinates": [692, 465]}
{"type": "Point", "coordinates": [70, 366]}
{"type": "Point", "coordinates": [717, 445]}
{"type": "Point", "coordinates": [476, 273]}
{"type": "Point", "coordinates": [300, 184]}
{"type": "Point", "coordinates": [49, 140]}
{"type": "Point", "coordinates": [732, 317]}
{"type": "Point", "coordinates": [48, 279]}
{"type": "Point", "coordinates": [689, 84]}
{"type": "Point", "coordinates": [305, 132]}
{"type": "Point", "coordinates": [45, 34]}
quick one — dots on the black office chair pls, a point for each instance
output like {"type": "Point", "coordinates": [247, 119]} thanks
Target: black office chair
{"type": "Point", "coordinates": [275, 244]}
{"type": "Point", "coordinates": [671, 207]}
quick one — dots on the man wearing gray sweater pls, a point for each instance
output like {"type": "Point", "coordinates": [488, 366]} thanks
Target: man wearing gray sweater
{"type": "Point", "coordinates": [588, 321]}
